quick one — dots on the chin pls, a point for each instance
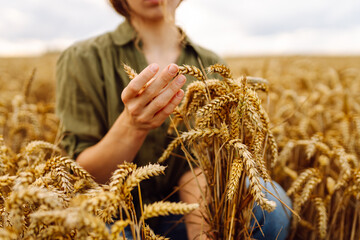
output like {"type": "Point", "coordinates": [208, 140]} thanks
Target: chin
{"type": "Point", "coordinates": [154, 16]}
{"type": "Point", "coordinates": [157, 18]}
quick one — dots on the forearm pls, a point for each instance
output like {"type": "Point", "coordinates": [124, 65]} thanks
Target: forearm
{"type": "Point", "coordinates": [193, 191]}
{"type": "Point", "coordinates": [121, 143]}
{"type": "Point", "coordinates": [147, 105]}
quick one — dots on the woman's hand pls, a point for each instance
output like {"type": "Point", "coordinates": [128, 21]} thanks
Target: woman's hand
{"type": "Point", "coordinates": [149, 101]}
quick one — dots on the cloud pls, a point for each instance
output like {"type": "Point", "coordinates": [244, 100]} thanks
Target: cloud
{"type": "Point", "coordinates": [47, 20]}
{"type": "Point", "coordinates": [12, 20]}
{"type": "Point", "coordinates": [302, 41]}
{"type": "Point", "coordinates": [292, 16]}
{"type": "Point", "coordinates": [261, 17]}
{"type": "Point", "coordinates": [227, 27]}
{"type": "Point", "coordinates": [274, 27]}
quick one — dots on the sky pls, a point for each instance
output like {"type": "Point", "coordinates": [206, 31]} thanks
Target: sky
{"type": "Point", "coordinates": [229, 27]}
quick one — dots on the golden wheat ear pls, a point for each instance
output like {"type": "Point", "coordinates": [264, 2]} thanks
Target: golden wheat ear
{"type": "Point", "coordinates": [235, 174]}
{"type": "Point", "coordinates": [220, 69]}
{"type": "Point", "coordinates": [258, 83]}
{"type": "Point", "coordinates": [129, 71]}
{"type": "Point", "coordinates": [322, 217]}
{"type": "Point", "coordinates": [188, 137]}
{"type": "Point", "coordinates": [166, 208]}
{"type": "Point", "coordinates": [142, 173]}
{"type": "Point", "coordinates": [301, 180]}
{"type": "Point", "coordinates": [119, 176]}
{"type": "Point", "coordinates": [257, 80]}
{"type": "Point", "coordinates": [118, 227]}
{"type": "Point", "coordinates": [39, 145]}
{"type": "Point", "coordinates": [149, 234]}
{"type": "Point", "coordinates": [192, 71]}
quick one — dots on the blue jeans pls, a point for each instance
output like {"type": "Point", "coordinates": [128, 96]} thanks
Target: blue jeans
{"type": "Point", "coordinates": [274, 225]}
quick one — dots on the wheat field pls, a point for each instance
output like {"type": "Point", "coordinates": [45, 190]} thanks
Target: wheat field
{"type": "Point", "coordinates": [299, 126]}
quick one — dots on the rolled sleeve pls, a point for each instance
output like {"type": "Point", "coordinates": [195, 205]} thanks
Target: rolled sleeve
{"type": "Point", "coordinates": [80, 100]}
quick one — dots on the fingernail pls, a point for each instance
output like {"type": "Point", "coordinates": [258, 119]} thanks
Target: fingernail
{"type": "Point", "coordinates": [180, 79]}
{"type": "Point", "coordinates": [154, 67]}
{"type": "Point", "coordinates": [180, 94]}
{"type": "Point", "coordinates": [173, 69]}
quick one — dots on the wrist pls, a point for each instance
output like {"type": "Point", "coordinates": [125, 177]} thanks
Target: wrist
{"type": "Point", "coordinates": [124, 136]}
{"type": "Point", "coordinates": [124, 124]}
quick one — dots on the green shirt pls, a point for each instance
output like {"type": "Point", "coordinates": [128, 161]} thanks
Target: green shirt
{"type": "Point", "coordinates": [90, 79]}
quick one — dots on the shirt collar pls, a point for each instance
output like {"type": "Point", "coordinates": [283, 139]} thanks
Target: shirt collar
{"type": "Point", "coordinates": [125, 33]}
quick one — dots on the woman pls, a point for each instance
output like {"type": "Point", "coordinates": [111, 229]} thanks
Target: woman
{"type": "Point", "coordinates": [108, 119]}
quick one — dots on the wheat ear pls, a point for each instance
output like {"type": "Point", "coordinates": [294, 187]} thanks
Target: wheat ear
{"type": "Point", "coordinates": [220, 69]}
{"type": "Point", "coordinates": [165, 208]}
{"type": "Point", "coordinates": [296, 185]}
{"type": "Point", "coordinates": [129, 71]}
{"type": "Point", "coordinates": [235, 174]}
{"type": "Point", "coordinates": [143, 173]}
{"type": "Point", "coordinates": [191, 70]}
{"type": "Point", "coordinates": [255, 184]}
{"type": "Point", "coordinates": [322, 217]}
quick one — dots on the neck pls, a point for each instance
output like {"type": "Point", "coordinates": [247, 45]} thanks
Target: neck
{"type": "Point", "coordinates": [160, 41]}
{"type": "Point", "coordinates": [157, 34]}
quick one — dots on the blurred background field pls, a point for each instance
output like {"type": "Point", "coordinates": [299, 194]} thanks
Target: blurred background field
{"type": "Point", "coordinates": [15, 70]}
{"type": "Point", "coordinates": [313, 104]}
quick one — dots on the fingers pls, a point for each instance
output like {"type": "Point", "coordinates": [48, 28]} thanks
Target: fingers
{"type": "Point", "coordinates": [148, 100]}
{"type": "Point", "coordinates": [169, 108]}
{"type": "Point", "coordinates": [135, 85]}
{"type": "Point", "coordinates": [165, 96]}
{"type": "Point", "coordinates": [164, 78]}
{"type": "Point", "coordinates": [145, 86]}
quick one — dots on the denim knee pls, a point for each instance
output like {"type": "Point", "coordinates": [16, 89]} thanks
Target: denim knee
{"type": "Point", "coordinates": [275, 224]}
